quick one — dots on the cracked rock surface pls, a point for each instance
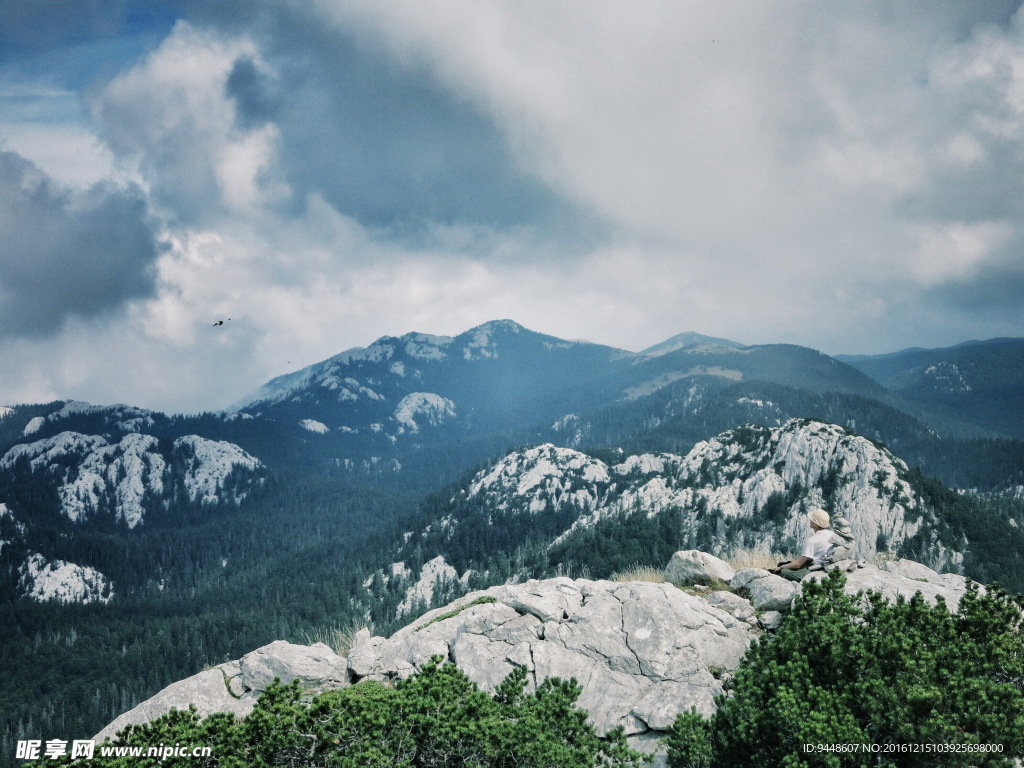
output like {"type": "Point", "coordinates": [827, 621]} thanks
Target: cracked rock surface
{"type": "Point", "coordinates": [641, 652]}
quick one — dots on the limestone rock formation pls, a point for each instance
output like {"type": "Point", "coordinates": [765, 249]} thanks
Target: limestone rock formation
{"type": "Point", "coordinates": [892, 580]}
{"type": "Point", "coordinates": [641, 652]}
{"type": "Point", "coordinates": [236, 685]}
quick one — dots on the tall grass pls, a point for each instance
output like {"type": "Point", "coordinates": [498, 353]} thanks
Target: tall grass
{"type": "Point", "coordinates": [567, 570]}
{"type": "Point", "coordinates": [338, 639]}
{"type": "Point", "coordinates": [640, 573]}
{"type": "Point", "coordinates": [753, 558]}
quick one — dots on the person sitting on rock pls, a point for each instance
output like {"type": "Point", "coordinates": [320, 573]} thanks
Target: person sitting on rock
{"type": "Point", "coordinates": [814, 550]}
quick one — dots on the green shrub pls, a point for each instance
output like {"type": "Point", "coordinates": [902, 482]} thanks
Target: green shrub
{"type": "Point", "coordinates": [888, 676]}
{"type": "Point", "coordinates": [435, 718]}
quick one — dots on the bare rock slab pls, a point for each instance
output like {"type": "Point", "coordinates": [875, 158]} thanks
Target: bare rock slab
{"type": "Point", "coordinates": [234, 686]}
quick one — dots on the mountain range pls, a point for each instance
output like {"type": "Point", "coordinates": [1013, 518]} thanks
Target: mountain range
{"type": "Point", "coordinates": [416, 412]}
{"type": "Point", "coordinates": [389, 479]}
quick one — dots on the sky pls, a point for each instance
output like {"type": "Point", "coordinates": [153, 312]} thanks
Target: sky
{"type": "Point", "coordinates": [321, 173]}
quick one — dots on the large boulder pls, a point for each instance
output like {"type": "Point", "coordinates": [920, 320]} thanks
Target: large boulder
{"type": "Point", "coordinates": [910, 569]}
{"type": "Point", "coordinates": [767, 591]}
{"type": "Point", "coordinates": [892, 578]}
{"type": "Point", "coordinates": [234, 686]}
{"type": "Point", "coordinates": [695, 567]}
{"type": "Point", "coordinates": [744, 576]}
{"type": "Point", "coordinates": [209, 691]}
{"type": "Point", "coordinates": [316, 667]}
{"type": "Point", "coordinates": [738, 607]}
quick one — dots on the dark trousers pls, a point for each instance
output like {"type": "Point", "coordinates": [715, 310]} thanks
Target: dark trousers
{"type": "Point", "coordinates": [796, 575]}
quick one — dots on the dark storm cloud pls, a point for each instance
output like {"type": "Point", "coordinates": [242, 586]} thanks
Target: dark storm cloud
{"type": "Point", "coordinates": [995, 289]}
{"type": "Point", "coordinates": [255, 93]}
{"type": "Point", "coordinates": [385, 144]}
{"type": "Point", "coordinates": [62, 254]}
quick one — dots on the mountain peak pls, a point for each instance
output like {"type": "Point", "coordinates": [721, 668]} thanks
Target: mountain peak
{"type": "Point", "coordinates": [482, 340]}
{"type": "Point", "coordinates": [498, 326]}
{"type": "Point", "coordinates": [688, 339]}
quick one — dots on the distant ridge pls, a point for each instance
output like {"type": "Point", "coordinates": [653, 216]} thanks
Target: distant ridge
{"type": "Point", "coordinates": [687, 339]}
{"type": "Point", "coordinates": [931, 350]}
{"type": "Point", "coordinates": [981, 381]}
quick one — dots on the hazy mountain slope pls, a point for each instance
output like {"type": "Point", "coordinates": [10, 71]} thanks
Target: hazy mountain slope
{"type": "Point", "coordinates": [687, 411]}
{"type": "Point", "coordinates": [982, 382]}
{"type": "Point", "coordinates": [785, 364]}
{"type": "Point", "coordinates": [420, 409]}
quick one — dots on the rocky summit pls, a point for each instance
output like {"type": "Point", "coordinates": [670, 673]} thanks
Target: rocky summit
{"type": "Point", "coordinates": [642, 652]}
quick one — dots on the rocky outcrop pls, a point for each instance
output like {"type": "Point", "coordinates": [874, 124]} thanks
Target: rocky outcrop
{"type": "Point", "coordinates": [641, 652]}
{"type": "Point", "coordinates": [750, 487]}
{"type": "Point", "coordinates": [44, 580]}
{"type": "Point", "coordinates": [126, 479]}
{"type": "Point", "coordinates": [236, 685]}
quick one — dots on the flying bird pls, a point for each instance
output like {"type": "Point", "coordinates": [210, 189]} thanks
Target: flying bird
{"type": "Point", "coordinates": [219, 322]}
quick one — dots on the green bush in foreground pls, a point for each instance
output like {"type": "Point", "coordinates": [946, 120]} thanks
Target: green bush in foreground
{"type": "Point", "coordinates": [435, 718]}
{"type": "Point", "coordinates": [900, 676]}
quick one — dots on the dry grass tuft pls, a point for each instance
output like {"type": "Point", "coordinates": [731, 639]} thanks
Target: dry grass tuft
{"type": "Point", "coordinates": [640, 573]}
{"type": "Point", "coordinates": [568, 571]}
{"type": "Point", "coordinates": [338, 639]}
{"type": "Point", "coordinates": [753, 558]}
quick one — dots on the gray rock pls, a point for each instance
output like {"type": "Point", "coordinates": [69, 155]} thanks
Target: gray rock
{"type": "Point", "coordinates": [490, 660]}
{"type": "Point", "coordinates": [891, 585]}
{"type": "Point", "coordinates": [695, 567]}
{"type": "Point", "coordinates": [207, 691]}
{"type": "Point", "coordinates": [744, 576]}
{"type": "Point", "coordinates": [771, 593]}
{"type": "Point", "coordinates": [234, 686]}
{"type": "Point", "coordinates": [364, 658]}
{"type": "Point", "coordinates": [316, 667]}
{"type": "Point", "coordinates": [950, 587]}
{"type": "Point", "coordinates": [843, 565]}
{"type": "Point", "coordinates": [649, 743]}
{"type": "Point", "coordinates": [642, 652]}
{"type": "Point", "coordinates": [737, 607]}
{"type": "Point", "coordinates": [910, 570]}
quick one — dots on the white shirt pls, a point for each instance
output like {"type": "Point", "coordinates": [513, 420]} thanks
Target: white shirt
{"type": "Point", "coordinates": [818, 545]}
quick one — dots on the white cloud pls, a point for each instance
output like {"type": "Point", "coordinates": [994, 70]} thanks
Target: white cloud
{"type": "Point", "coordinates": [956, 250]}
{"type": "Point", "coordinates": [780, 149]}
{"type": "Point", "coordinates": [69, 154]}
{"type": "Point", "coordinates": [768, 172]}
{"type": "Point", "coordinates": [171, 118]}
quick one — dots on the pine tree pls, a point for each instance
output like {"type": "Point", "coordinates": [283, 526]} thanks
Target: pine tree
{"type": "Point", "coordinates": [892, 678]}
